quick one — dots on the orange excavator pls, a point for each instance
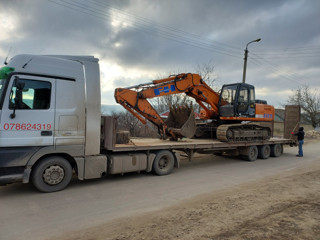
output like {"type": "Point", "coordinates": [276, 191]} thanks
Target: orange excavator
{"type": "Point", "coordinates": [232, 112]}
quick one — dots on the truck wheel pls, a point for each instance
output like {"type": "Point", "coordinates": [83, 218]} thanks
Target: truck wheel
{"type": "Point", "coordinates": [252, 153]}
{"type": "Point", "coordinates": [276, 150]}
{"type": "Point", "coordinates": [163, 163]}
{"type": "Point", "coordinates": [51, 174]}
{"type": "Point", "coordinates": [264, 151]}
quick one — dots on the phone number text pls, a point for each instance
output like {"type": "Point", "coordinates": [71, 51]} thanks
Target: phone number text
{"type": "Point", "coordinates": [26, 126]}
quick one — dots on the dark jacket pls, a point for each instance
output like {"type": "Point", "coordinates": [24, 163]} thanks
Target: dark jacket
{"type": "Point", "coordinates": [300, 134]}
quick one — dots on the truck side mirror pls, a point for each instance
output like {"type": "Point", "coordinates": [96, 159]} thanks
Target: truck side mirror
{"type": "Point", "coordinates": [19, 85]}
{"type": "Point", "coordinates": [18, 96]}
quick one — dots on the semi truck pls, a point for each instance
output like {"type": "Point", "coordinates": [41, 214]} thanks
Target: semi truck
{"type": "Point", "coordinates": [51, 128]}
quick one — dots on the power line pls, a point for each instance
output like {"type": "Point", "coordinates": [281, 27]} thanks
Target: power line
{"type": "Point", "coordinates": [170, 35]}
{"type": "Point", "coordinates": [276, 67]}
{"type": "Point", "coordinates": [281, 56]}
{"type": "Point", "coordinates": [175, 29]}
{"type": "Point", "coordinates": [284, 54]}
{"type": "Point", "coordinates": [288, 53]}
{"type": "Point", "coordinates": [175, 34]}
{"type": "Point", "coordinates": [270, 67]}
{"type": "Point", "coordinates": [305, 48]}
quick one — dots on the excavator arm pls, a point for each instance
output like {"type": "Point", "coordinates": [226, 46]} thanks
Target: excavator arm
{"type": "Point", "coordinates": [134, 98]}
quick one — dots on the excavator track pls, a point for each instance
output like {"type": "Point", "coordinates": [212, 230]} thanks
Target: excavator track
{"type": "Point", "coordinates": [243, 133]}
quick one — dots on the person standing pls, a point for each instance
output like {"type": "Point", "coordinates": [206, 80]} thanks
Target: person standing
{"type": "Point", "coordinates": [300, 135]}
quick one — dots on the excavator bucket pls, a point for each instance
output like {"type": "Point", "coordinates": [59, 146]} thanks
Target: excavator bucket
{"type": "Point", "coordinates": [181, 121]}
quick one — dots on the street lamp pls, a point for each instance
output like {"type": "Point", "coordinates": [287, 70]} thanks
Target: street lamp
{"type": "Point", "coordinates": [246, 58]}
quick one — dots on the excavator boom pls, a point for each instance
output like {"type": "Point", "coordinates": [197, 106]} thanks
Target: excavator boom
{"type": "Point", "coordinates": [134, 98]}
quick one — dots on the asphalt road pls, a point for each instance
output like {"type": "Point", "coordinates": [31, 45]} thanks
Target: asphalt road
{"type": "Point", "coordinates": [28, 214]}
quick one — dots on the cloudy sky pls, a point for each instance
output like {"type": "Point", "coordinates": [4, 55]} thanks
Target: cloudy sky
{"type": "Point", "coordinates": [140, 40]}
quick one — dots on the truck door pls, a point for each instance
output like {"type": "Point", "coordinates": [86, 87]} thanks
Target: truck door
{"type": "Point", "coordinates": [28, 112]}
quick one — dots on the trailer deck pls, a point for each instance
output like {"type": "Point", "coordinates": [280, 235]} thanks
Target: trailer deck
{"type": "Point", "coordinates": [143, 144]}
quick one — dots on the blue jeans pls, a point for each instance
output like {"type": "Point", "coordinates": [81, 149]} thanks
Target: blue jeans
{"type": "Point", "coordinates": [301, 142]}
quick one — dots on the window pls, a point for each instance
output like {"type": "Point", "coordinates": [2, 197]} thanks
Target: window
{"type": "Point", "coordinates": [243, 95]}
{"type": "Point", "coordinates": [228, 94]}
{"type": "Point", "coordinates": [252, 97]}
{"type": "Point", "coordinates": [34, 95]}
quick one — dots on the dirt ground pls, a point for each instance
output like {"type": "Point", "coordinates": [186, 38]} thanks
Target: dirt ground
{"type": "Point", "coordinates": [285, 206]}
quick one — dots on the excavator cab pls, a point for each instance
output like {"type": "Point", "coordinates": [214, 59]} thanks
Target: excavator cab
{"type": "Point", "coordinates": [237, 100]}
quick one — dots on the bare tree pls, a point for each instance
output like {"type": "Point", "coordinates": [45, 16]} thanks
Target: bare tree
{"type": "Point", "coordinates": [309, 100]}
{"type": "Point", "coordinates": [206, 71]}
{"type": "Point", "coordinates": [128, 122]}
{"type": "Point", "coordinates": [163, 103]}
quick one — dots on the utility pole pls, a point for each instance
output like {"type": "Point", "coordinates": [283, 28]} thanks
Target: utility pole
{"type": "Point", "coordinates": [246, 58]}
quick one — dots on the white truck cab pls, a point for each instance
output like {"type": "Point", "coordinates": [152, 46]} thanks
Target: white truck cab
{"type": "Point", "coordinates": [49, 106]}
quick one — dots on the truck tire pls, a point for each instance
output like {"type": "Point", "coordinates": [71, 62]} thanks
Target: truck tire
{"type": "Point", "coordinates": [252, 153]}
{"type": "Point", "coordinates": [163, 163]}
{"type": "Point", "coordinates": [218, 153]}
{"type": "Point", "coordinates": [264, 151]}
{"type": "Point", "coordinates": [51, 174]}
{"type": "Point", "coordinates": [276, 150]}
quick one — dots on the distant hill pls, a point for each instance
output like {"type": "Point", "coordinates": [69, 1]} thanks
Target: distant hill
{"type": "Point", "coordinates": [107, 110]}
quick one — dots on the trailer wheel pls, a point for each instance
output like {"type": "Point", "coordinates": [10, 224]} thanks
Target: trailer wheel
{"type": "Point", "coordinates": [276, 150]}
{"type": "Point", "coordinates": [264, 151]}
{"type": "Point", "coordinates": [218, 153]}
{"type": "Point", "coordinates": [163, 163]}
{"type": "Point", "coordinates": [51, 174]}
{"type": "Point", "coordinates": [252, 153]}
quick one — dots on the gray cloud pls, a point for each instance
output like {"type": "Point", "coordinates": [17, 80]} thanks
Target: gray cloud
{"type": "Point", "coordinates": [162, 36]}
